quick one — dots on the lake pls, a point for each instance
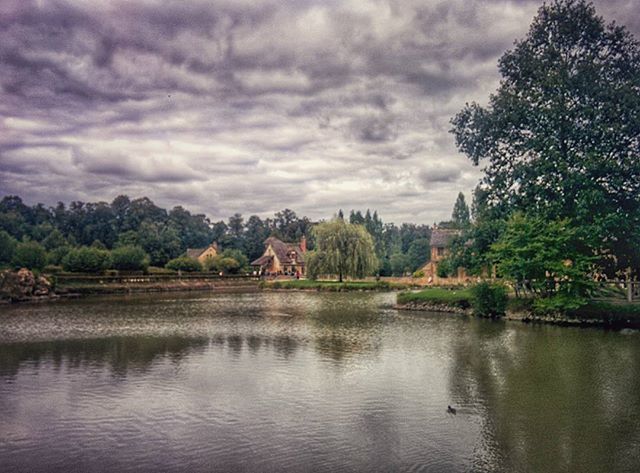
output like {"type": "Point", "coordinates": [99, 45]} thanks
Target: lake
{"type": "Point", "coordinates": [292, 381]}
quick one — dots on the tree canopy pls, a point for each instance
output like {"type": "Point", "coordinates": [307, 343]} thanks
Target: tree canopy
{"type": "Point", "coordinates": [343, 249]}
{"type": "Point", "coordinates": [560, 136]}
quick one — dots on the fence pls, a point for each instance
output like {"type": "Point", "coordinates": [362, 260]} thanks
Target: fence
{"type": "Point", "coordinates": [619, 289]}
{"type": "Point", "coordinates": [148, 278]}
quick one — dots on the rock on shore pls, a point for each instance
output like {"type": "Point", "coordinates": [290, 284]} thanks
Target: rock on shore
{"type": "Point", "coordinates": [23, 285]}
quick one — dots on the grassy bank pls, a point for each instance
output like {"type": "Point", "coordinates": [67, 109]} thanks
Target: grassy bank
{"type": "Point", "coordinates": [333, 286]}
{"type": "Point", "coordinates": [608, 314]}
{"type": "Point", "coordinates": [437, 295]}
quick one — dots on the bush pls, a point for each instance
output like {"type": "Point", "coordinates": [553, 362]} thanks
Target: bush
{"type": "Point", "coordinates": [444, 269]}
{"type": "Point", "coordinates": [559, 303]}
{"type": "Point", "coordinates": [86, 260]}
{"type": "Point", "coordinates": [223, 263]}
{"type": "Point", "coordinates": [129, 258]}
{"type": "Point", "coordinates": [184, 264]}
{"type": "Point", "coordinates": [29, 255]}
{"type": "Point", "coordinates": [55, 256]}
{"type": "Point", "coordinates": [489, 300]}
{"type": "Point", "coordinates": [418, 274]}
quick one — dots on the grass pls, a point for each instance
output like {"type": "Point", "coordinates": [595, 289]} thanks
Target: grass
{"type": "Point", "coordinates": [609, 312]}
{"type": "Point", "coordinates": [307, 284]}
{"type": "Point", "coordinates": [438, 295]}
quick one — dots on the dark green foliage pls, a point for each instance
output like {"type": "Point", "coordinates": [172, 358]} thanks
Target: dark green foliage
{"type": "Point", "coordinates": [461, 216]}
{"type": "Point", "coordinates": [610, 313]}
{"type": "Point", "coordinates": [225, 264]}
{"type": "Point", "coordinates": [419, 253]}
{"type": "Point", "coordinates": [184, 264]}
{"type": "Point", "coordinates": [29, 254]}
{"type": "Point", "coordinates": [166, 235]}
{"type": "Point", "coordinates": [55, 239]}
{"type": "Point", "coordinates": [86, 260]}
{"type": "Point", "coordinates": [56, 255]}
{"type": "Point", "coordinates": [543, 257]}
{"type": "Point", "coordinates": [238, 256]}
{"type": "Point", "coordinates": [558, 303]}
{"type": "Point", "coordinates": [560, 135]}
{"type": "Point", "coordinates": [7, 247]}
{"type": "Point", "coordinates": [489, 300]}
{"type": "Point", "coordinates": [446, 268]}
{"type": "Point", "coordinates": [129, 258]}
{"type": "Point", "coordinates": [400, 264]}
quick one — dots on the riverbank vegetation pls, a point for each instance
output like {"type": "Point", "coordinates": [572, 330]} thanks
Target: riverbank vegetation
{"type": "Point", "coordinates": [559, 204]}
{"type": "Point", "coordinates": [333, 286]}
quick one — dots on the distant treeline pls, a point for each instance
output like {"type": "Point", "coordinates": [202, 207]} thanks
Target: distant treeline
{"type": "Point", "coordinates": [166, 234]}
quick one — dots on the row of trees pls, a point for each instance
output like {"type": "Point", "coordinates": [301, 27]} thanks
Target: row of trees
{"type": "Point", "coordinates": [165, 235]}
{"type": "Point", "coordinates": [560, 199]}
{"type": "Point", "coordinates": [96, 258]}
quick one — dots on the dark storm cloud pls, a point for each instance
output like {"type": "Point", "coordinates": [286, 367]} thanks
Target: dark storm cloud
{"type": "Point", "coordinates": [251, 106]}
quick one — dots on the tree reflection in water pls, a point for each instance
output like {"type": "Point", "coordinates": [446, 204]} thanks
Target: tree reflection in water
{"type": "Point", "coordinates": [555, 401]}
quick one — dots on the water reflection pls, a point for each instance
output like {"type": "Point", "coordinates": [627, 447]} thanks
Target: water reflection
{"type": "Point", "coordinates": [308, 382]}
{"type": "Point", "coordinates": [550, 399]}
{"type": "Point", "coordinates": [120, 354]}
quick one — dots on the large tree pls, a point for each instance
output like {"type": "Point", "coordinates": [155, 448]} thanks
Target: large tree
{"type": "Point", "coordinates": [343, 249]}
{"type": "Point", "coordinates": [560, 136]}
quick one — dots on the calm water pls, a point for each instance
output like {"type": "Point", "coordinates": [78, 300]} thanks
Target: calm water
{"type": "Point", "coordinates": [308, 382]}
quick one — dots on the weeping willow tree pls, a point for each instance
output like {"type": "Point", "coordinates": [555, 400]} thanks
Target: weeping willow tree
{"type": "Point", "coordinates": [343, 249]}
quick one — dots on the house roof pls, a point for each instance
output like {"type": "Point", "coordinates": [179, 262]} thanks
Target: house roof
{"type": "Point", "coordinates": [262, 261]}
{"type": "Point", "coordinates": [195, 252]}
{"type": "Point", "coordinates": [442, 237]}
{"type": "Point", "coordinates": [284, 252]}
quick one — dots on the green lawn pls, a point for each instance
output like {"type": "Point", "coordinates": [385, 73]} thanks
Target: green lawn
{"type": "Point", "coordinates": [438, 295]}
{"type": "Point", "coordinates": [332, 285]}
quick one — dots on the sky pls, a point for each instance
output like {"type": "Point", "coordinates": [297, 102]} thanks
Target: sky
{"type": "Point", "coordinates": [248, 106]}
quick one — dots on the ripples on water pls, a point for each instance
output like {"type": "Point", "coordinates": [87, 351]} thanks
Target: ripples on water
{"type": "Point", "coordinates": [307, 382]}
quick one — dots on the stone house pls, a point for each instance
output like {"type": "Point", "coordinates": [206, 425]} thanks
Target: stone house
{"type": "Point", "coordinates": [282, 258]}
{"type": "Point", "coordinates": [201, 254]}
{"type": "Point", "coordinates": [441, 239]}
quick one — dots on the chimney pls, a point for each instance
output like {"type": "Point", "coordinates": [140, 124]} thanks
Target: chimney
{"type": "Point", "coordinates": [303, 244]}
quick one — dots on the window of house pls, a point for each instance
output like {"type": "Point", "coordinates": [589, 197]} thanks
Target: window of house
{"type": "Point", "coordinates": [440, 251]}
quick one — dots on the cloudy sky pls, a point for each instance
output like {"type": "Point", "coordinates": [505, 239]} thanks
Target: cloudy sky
{"type": "Point", "coordinates": [251, 106]}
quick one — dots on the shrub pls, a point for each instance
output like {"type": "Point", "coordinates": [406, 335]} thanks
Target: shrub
{"type": "Point", "coordinates": [444, 269]}
{"type": "Point", "coordinates": [184, 264]}
{"type": "Point", "coordinates": [489, 300]}
{"type": "Point", "coordinates": [129, 258]}
{"type": "Point", "coordinates": [55, 256]}
{"type": "Point", "coordinates": [30, 255]}
{"type": "Point", "coordinates": [86, 260]}
{"type": "Point", "coordinates": [157, 270]}
{"type": "Point", "coordinates": [559, 303]}
{"type": "Point", "coordinates": [418, 274]}
{"type": "Point", "coordinates": [223, 263]}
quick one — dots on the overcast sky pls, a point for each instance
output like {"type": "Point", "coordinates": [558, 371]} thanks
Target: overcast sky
{"type": "Point", "coordinates": [249, 106]}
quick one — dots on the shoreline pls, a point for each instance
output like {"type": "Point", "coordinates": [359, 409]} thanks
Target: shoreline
{"type": "Point", "coordinates": [526, 317]}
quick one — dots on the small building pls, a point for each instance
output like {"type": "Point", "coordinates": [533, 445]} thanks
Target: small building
{"type": "Point", "coordinates": [201, 254]}
{"type": "Point", "coordinates": [282, 258]}
{"type": "Point", "coordinates": [441, 239]}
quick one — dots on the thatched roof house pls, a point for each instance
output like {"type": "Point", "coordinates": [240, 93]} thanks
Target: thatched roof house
{"type": "Point", "coordinates": [282, 258]}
